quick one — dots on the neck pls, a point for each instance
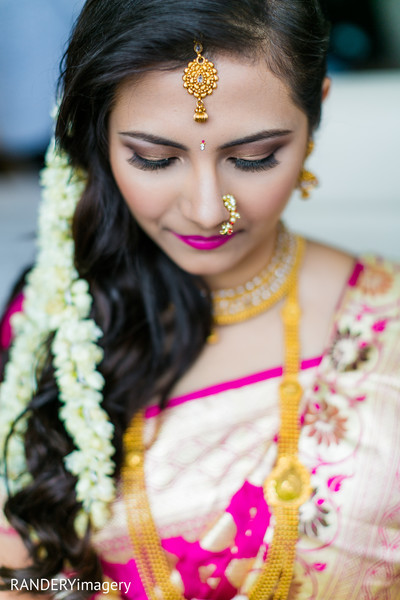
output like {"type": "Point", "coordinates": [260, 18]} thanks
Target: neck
{"type": "Point", "coordinates": [247, 268]}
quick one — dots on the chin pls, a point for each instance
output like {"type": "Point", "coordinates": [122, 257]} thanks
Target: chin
{"type": "Point", "coordinates": [204, 266]}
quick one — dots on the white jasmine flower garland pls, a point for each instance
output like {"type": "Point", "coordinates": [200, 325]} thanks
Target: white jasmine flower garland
{"type": "Point", "coordinates": [57, 300]}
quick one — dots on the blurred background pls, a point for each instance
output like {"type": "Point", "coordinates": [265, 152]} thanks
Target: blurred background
{"type": "Point", "coordinates": [356, 207]}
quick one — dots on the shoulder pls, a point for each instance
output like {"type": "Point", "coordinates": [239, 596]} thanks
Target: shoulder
{"type": "Point", "coordinates": [325, 272]}
{"type": "Point", "coordinates": [341, 292]}
{"type": "Point", "coordinates": [338, 277]}
{"type": "Point", "coordinates": [370, 308]}
{"type": "Point", "coordinates": [373, 289]}
{"type": "Point", "coordinates": [376, 280]}
{"type": "Point", "coordinates": [366, 334]}
{"type": "Point", "coordinates": [324, 275]}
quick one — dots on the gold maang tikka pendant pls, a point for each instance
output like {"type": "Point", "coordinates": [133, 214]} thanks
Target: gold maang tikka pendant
{"type": "Point", "coordinates": [200, 79]}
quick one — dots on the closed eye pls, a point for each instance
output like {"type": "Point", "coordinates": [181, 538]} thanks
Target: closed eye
{"type": "Point", "coordinates": [146, 164]}
{"type": "Point", "coordinates": [263, 164]}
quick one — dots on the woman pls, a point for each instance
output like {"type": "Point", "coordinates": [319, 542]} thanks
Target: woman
{"type": "Point", "coordinates": [235, 477]}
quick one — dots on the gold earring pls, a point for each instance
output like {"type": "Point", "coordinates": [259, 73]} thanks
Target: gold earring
{"type": "Point", "coordinates": [230, 205]}
{"type": "Point", "coordinates": [307, 181]}
{"type": "Point", "coordinates": [200, 79]}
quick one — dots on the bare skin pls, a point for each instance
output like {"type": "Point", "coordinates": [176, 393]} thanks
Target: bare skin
{"type": "Point", "coordinates": [257, 344]}
{"type": "Point", "coordinates": [172, 190]}
{"type": "Point", "coordinates": [184, 196]}
{"type": "Point", "coordinates": [13, 554]}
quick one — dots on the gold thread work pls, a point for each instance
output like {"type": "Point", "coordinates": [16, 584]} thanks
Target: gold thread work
{"type": "Point", "coordinates": [285, 489]}
{"type": "Point", "coordinates": [200, 80]}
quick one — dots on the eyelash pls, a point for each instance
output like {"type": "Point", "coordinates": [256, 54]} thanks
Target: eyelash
{"type": "Point", "coordinates": [149, 165]}
{"type": "Point", "coordinates": [269, 162]}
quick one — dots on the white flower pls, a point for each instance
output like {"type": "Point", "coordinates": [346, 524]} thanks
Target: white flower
{"type": "Point", "coordinates": [100, 513]}
{"type": "Point", "coordinates": [57, 300]}
{"type": "Point", "coordinates": [81, 523]}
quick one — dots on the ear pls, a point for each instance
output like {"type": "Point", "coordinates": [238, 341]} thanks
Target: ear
{"type": "Point", "coordinates": [326, 86]}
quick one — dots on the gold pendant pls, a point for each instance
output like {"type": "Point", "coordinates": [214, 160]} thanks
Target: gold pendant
{"type": "Point", "coordinates": [200, 80]}
{"type": "Point", "coordinates": [288, 484]}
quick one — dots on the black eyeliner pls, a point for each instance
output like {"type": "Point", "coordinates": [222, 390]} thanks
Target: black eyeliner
{"type": "Point", "coordinates": [148, 165]}
{"type": "Point", "coordinates": [269, 162]}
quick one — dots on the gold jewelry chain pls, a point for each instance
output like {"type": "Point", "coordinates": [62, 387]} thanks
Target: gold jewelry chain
{"type": "Point", "coordinates": [286, 488]}
{"type": "Point", "coordinates": [264, 290]}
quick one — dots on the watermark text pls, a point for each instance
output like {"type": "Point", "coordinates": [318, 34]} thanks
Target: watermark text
{"type": "Point", "coordinates": [68, 585]}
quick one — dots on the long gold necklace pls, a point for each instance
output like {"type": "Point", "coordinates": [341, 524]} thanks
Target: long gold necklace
{"type": "Point", "coordinates": [285, 489]}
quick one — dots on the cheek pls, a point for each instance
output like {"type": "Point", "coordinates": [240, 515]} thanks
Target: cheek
{"type": "Point", "coordinates": [265, 195]}
{"type": "Point", "coordinates": [282, 188]}
{"type": "Point", "coordinates": [269, 197]}
{"type": "Point", "coordinates": [143, 192]}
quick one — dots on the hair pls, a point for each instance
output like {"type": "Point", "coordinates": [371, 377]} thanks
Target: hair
{"type": "Point", "coordinates": [155, 317]}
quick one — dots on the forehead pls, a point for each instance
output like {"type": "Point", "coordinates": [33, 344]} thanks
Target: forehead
{"type": "Point", "coordinates": [249, 97]}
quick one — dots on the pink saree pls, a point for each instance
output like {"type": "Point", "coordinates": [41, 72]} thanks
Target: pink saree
{"type": "Point", "coordinates": [215, 447]}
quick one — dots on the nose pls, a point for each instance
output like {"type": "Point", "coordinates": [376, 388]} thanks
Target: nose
{"type": "Point", "coordinates": [202, 202]}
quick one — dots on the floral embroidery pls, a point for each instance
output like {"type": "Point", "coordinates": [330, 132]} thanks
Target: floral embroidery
{"type": "Point", "coordinates": [314, 515]}
{"type": "Point", "coordinates": [350, 443]}
{"type": "Point", "coordinates": [375, 280]}
{"type": "Point", "coordinates": [324, 422]}
{"type": "Point", "coordinates": [335, 483]}
{"type": "Point", "coordinates": [348, 352]}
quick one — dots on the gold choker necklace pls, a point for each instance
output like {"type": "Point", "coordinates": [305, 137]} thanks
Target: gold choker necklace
{"type": "Point", "coordinates": [285, 489]}
{"type": "Point", "coordinates": [265, 289]}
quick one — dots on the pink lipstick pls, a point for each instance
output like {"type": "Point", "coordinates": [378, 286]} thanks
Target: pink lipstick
{"type": "Point", "coordinates": [204, 243]}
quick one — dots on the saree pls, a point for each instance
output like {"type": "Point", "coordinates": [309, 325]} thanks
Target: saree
{"type": "Point", "coordinates": [213, 449]}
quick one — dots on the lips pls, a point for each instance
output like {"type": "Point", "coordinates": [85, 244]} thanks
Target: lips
{"type": "Point", "coordinates": [204, 243]}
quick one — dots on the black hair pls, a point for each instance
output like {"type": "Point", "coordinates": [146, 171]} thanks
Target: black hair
{"type": "Point", "coordinates": [155, 316]}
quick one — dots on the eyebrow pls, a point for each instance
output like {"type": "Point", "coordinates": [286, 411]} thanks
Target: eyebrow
{"type": "Point", "coordinates": [160, 141]}
{"type": "Point", "coordinates": [256, 137]}
{"type": "Point", "coordinates": [153, 139]}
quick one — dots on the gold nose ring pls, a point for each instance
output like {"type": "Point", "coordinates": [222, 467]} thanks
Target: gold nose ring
{"type": "Point", "coordinates": [230, 205]}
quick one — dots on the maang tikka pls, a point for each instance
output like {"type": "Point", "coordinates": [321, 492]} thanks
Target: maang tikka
{"type": "Point", "coordinates": [200, 79]}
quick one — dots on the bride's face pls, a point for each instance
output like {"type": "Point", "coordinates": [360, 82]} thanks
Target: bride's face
{"type": "Point", "coordinates": [254, 144]}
